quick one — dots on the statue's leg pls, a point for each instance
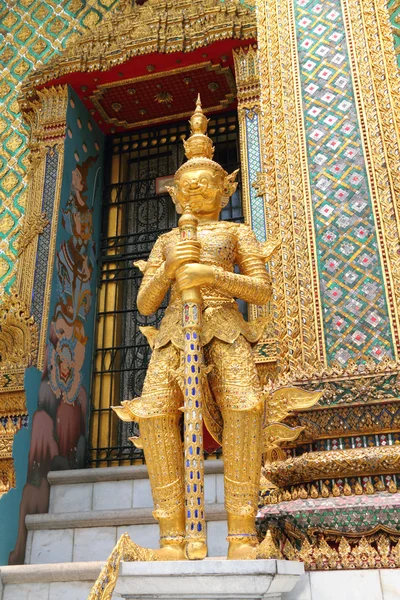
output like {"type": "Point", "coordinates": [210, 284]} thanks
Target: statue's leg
{"type": "Point", "coordinates": [236, 388]}
{"type": "Point", "coordinates": [162, 445]}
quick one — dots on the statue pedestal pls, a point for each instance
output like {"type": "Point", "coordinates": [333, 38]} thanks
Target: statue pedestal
{"type": "Point", "coordinates": [211, 579]}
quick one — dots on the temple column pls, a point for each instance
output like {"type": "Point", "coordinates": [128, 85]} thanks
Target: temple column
{"type": "Point", "coordinates": [329, 118]}
{"type": "Point", "coordinates": [253, 194]}
{"type": "Point", "coordinates": [47, 117]}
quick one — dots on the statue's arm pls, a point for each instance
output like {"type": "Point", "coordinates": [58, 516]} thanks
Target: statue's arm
{"type": "Point", "coordinates": [155, 283]}
{"type": "Point", "coordinates": [253, 284]}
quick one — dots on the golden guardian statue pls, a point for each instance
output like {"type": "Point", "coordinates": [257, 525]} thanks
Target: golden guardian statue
{"type": "Point", "coordinates": [202, 360]}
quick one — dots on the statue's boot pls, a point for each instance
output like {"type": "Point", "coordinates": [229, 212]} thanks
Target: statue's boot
{"type": "Point", "coordinates": [162, 447]}
{"type": "Point", "coordinates": [172, 540]}
{"type": "Point", "coordinates": [242, 537]}
{"type": "Point", "coordinates": [242, 444]}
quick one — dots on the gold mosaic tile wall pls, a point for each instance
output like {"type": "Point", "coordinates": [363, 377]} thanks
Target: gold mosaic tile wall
{"type": "Point", "coordinates": [31, 31]}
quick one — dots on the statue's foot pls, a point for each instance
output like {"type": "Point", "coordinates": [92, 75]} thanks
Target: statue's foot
{"type": "Point", "coordinates": [196, 550]}
{"type": "Point", "coordinates": [241, 551]}
{"type": "Point", "coordinates": [172, 552]}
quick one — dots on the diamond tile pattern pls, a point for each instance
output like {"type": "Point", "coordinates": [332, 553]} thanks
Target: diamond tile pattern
{"type": "Point", "coordinates": [42, 256]}
{"type": "Point", "coordinates": [31, 31]}
{"type": "Point", "coordinates": [254, 167]}
{"type": "Point", "coordinates": [351, 283]}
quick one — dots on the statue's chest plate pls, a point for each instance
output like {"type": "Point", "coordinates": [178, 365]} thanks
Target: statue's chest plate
{"type": "Point", "coordinates": [218, 247]}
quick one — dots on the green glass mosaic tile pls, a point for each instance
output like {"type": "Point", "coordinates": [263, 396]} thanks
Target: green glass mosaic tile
{"type": "Point", "coordinates": [394, 11]}
{"type": "Point", "coordinates": [30, 31]}
{"type": "Point", "coordinates": [356, 319]}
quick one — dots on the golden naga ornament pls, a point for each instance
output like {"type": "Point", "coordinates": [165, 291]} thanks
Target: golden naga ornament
{"type": "Point", "coordinates": [278, 405]}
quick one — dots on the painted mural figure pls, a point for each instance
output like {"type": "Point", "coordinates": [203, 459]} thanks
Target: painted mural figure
{"type": "Point", "coordinates": [233, 406]}
{"type": "Point", "coordinates": [75, 262]}
{"type": "Point", "coordinates": [59, 423]}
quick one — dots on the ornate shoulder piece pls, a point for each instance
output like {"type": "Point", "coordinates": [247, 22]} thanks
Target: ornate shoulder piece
{"type": "Point", "coordinates": [230, 185]}
{"type": "Point", "coordinates": [269, 248]}
{"type": "Point", "coordinates": [141, 265]}
{"type": "Point", "coordinates": [150, 333]}
{"type": "Point", "coordinates": [123, 411]}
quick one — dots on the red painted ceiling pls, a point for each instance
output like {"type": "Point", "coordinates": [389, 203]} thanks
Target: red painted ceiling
{"type": "Point", "coordinates": [159, 87]}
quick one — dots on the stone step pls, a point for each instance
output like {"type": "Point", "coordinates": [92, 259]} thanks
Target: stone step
{"type": "Point", "coordinates": [74, 581]}
{"type": "Point", "coordinates": [218, 579]}
{"type": "Point", "coordinates": [49, 582]}
{"type": "Point", "coordinates": [75, 537]}
{"type": "Point", "coordinates": [117, 488]}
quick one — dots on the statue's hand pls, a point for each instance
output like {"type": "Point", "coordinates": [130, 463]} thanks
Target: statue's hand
{"type": "Point", "coordinates": [183, 252]}
{"type": "Point", "coordinates": [194, 275]}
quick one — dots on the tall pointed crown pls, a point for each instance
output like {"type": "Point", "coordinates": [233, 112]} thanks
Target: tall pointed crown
{"type": "Point", "coordinates": [198, 145]}
{"type": "Point", "coordinates": [199, 150]}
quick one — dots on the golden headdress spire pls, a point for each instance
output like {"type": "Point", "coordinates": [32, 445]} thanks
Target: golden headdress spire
{"type": "Point", "coordinates": [199, 150]}
{"type": "Point", "coordinates": [198, 145]}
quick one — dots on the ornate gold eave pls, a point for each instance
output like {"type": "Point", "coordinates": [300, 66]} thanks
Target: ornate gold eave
{"type": "Point", "coordinates": [157, 26]}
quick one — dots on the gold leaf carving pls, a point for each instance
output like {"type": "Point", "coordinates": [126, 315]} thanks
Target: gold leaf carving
{"type": "Point", "coordinates": [34, 225]}
{"type": "Point", "coordinates": [157, 26]}
{"type": "Point", "coordinates": [323, 549]}
{"type": "Point", "coordinates": [322, 465]}
{"type": "Point", "coordinates": [18, 336]}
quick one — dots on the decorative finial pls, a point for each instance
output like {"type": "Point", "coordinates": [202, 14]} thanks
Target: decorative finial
{"type": "Point", "coordinates": [198, 145]}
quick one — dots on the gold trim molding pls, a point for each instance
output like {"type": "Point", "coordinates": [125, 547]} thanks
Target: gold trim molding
{"type": "Point", "coordinates": [46, 116]}
{"type": "Point", "coordinates": [285, 188]}
{"type": "Point", "coordinates": [332, 550]}
{"type": "Point", "coordinates": [248, 95]}
{"type": "Point", "coordinates": [334, 464]}
{"type": "Point", "coordinates": [320, 489]}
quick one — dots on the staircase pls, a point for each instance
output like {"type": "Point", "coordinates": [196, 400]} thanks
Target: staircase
{"type": "Point", "coordinates": [88, 512]}
{"type": "Point", "coordinates": [91, 508]}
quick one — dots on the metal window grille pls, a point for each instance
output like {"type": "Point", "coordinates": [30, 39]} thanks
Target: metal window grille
{"type": "Point", "coordinates": [133, 217]}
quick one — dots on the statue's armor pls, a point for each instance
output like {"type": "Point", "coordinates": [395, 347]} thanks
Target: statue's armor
{"type": "Point", "coordinates": [222, 246]}
{"type": "Point", "coordinates": [232, 404]}
{"type": "Point", "coordinates": [233, 380]}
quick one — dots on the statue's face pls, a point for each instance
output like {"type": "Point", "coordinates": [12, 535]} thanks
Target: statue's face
{"type": "Point", "coordinates": [198, 123]}
{"type": "Point", "coordinates": [202, 189]}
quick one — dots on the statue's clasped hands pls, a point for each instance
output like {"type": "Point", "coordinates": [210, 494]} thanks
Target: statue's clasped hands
{"type": "Point", "coordinates": [182, 264]}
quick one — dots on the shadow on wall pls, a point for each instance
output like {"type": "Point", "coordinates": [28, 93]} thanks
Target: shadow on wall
{"type": "Point", "coordinates": [59, 423]}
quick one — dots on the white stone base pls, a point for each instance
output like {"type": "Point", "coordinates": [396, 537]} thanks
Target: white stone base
{"type": "Point", "coordinates": [374, 584]}
{"type": "Point", "coordinates": [74, 582]}
{"type": "Point", "coordinates": [208, 579]}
